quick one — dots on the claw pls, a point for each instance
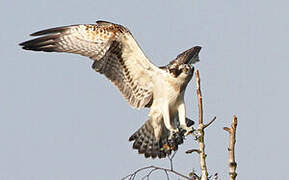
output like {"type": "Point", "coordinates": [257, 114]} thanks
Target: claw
{"type": "Point", "coordinates": [197, 134]}
{"type": "Point", "coordinates": [187, 130]}
{"type": "Point", "coordinates": [173, 133]}
{"type": "Point", "coordinates": [176, 137]}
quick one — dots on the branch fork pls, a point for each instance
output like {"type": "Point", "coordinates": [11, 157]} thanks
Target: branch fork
{"type": "Point", "coordinates": [201, 130]}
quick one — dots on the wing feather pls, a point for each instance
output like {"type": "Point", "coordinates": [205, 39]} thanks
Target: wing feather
{"type": "Point", "coordinates": [115, 52]}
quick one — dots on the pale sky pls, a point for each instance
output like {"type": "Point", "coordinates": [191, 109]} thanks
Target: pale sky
{"type": "Point", "coordinates": [59, 120]}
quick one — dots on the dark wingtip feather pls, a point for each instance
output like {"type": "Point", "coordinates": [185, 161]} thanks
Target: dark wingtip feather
{"type": "Point", "coordinates": [196, 50]}
{"type": "Point", "coordinates": [29, 48]}
{"type": "Point", "coordinates": [44, 43]}
{"type": "Point", "coordinates": [21, 44]}
{"type": "Point", "coordinates": [101, 22]}
{"type": "Point", "coordinates": [50, 31]}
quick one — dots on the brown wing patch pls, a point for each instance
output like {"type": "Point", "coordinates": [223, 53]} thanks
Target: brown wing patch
{"type": "Point", "coordinates": [113, 66]}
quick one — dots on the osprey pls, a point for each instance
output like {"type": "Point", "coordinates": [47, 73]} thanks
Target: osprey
{"type": "Point", "coordinates": [116, 54]}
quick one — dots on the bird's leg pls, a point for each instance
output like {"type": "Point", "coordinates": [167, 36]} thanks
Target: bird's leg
{"type": "Point", "coordinates": [167, 122]}
{"type": "Point", "coordinates": [182, 119]}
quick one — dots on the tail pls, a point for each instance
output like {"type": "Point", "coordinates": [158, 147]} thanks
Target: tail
{"type": "Point", "coordinates": [156, 145]}
{"type": "Point", "coordinates": [147, 143]}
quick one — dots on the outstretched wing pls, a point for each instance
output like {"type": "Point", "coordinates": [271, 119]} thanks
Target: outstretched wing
{"type": "Point", "coordinates": [115, 52]}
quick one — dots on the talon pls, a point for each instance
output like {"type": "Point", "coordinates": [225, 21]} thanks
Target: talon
{"type": "Point", "coordinates": [187, 130]}
{"type": "Point", "coordinates": [179, 138]}
{"type": "Point", "coordinates": [197, 134]}
{"type": "Point", "coordinates": [173, 133]}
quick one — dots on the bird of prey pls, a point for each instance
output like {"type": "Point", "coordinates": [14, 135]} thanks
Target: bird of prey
{"type": "Point", "coordinates": [116, 54]}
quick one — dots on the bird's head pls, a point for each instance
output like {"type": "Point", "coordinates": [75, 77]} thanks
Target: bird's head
{"type": "Point", "coordinates": [186, 68]}
{"type": "Point", "coordinates": [187, 71]}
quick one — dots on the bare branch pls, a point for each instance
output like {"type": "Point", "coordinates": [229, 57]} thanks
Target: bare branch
{"type": "Point", "coordinates": [227, 129]}
{"type": "Point", "coordinates": [167, 174]}
{"type": "Point", "coordinates": [201, 127]}
{"type": "Point", "coordinates": [200, 98]}
{"type": "Point", "coordinates": [171, 160]}
{"type": "Point", "coordinates": [231, 149]}
{"type": "Point", "coordinates": [207, 125]}
{"type": "Point", "coordinates": [192, 150]}
{"type": "Point", "coordinates": [153, 169]}
{"type": "Point", "coordinates": [148, 175]}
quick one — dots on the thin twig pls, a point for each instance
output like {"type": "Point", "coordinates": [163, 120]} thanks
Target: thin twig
{"type": "Point", "coordinates": [231, 149]}
{"type": "Point", "coordinates": [132, 175]}
{"type": "Point", "coordinates": [167, 174]}
{"type": "Point", "coordinates": [192, 150]}
{"type": "Point", "coordinates": [154, 168]}
{"type": "Point", "coordinates": [201, 127]}
{"type": "Point", "coordinates": [207, 125]}
{"type": "Point", "coordinates": [148, 175]}
{"type": "Point", "coordinates": [171, 160]}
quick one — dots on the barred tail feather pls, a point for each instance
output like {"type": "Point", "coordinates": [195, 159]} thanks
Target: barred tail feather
{"type": "Point", "coordinates": [146, 142]}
